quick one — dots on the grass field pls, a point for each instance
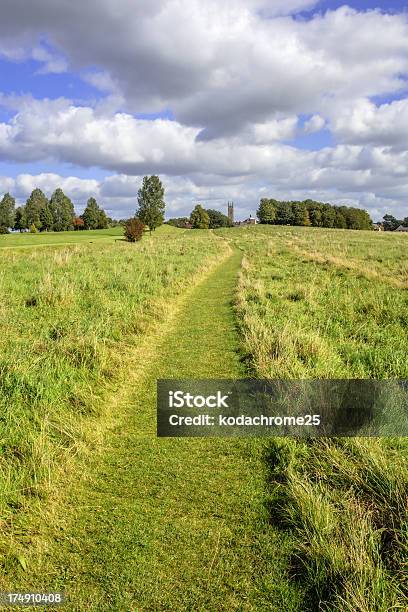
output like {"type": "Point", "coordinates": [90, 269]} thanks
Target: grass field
{"type": "Point", "coordinates": [92, 502]}
{"type": "Point", "coordinates": [69, 314]}
{"type": "Point", "coordinates": [333, 304]}
{"type": "Point", "coordinates": [24, 240]}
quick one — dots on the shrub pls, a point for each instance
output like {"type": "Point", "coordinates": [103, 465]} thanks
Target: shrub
{"type": "Point", "coordinates": [4, 229]}
{"type": "Point", "coordinates": [134, 229]}
{"type": "Point", "coordinates": [33, 229]}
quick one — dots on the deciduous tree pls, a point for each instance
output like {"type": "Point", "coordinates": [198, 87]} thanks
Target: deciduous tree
{"type": "Point", "coordinates": [63, 212]}
{"type": "Point", "coordinates": [199, 218]}
{"type": "Point", "coordinates": [217, 219]}
{"type": "Point", "coordinates": [266, 212]}
{"type": "Point", "coordinates": [93, 216]}
{"type": "Point", "coordinates": [151, 202]}
{"type": "Point", "coordinates": [20, 222]}
{"type": "Point", "coordinates": [7, 212]}
{"type": "Point", "coordinates": [34, 205]}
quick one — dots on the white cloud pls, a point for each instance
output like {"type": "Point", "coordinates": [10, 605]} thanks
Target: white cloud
{"type": "Point", "coordinates": [219, 65]}
{"type": "Point", "coordinates": [237, 76]}
{"type": "Point", "coordinates": [314, 124]}
{"type": "Point", "coordinates": [118, 193]}
{"type": "Point", "coordinates": [50, 63]}
{"type": "Point", "coordinates": [365, 123]}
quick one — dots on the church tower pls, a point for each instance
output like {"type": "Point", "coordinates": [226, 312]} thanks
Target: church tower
{"type": "Point", "coordinates": [231, 212]}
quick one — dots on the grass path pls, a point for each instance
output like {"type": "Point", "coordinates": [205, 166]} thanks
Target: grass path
{"type": "Point", "coordinates": [170, 524]}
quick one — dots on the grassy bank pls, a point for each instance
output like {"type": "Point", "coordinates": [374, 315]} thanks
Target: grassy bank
{"type": "Point", "coordinates": [69, 316]}
{"type": "Point", "coordinates": [326, 304]}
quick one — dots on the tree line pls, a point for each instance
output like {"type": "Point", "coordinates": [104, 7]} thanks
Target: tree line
{"type": "Point", "coordinates": [202, 218]}
{"type": "Point", "coordinates": [311, 213]}
{"type": "Point", "coordinates": [390, 223]}
{"type": "Point", "coordinates": [57, 214]}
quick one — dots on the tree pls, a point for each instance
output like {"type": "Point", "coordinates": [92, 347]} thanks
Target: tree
{"type": "Point", "coordinates": [339, 219]}
{"type": "Point", "coordinates": [20, 221]}
{"type": "Point", "coordinates": [266, 212]}
{"type": "Point", "coordinates": [284, 214]}
{"type": "Point", "coordinates": [390, 223]}
{"type": "Point", "coordinates": [46, 218]}
{"type": "Point", "coordinates": [218, 219]}
{"type": "Point", "coordinates": [133, 229]}
{"type": "Point", "coordinates": [328, 215]}
{"type": "Point", "coordinates": [199, 218]}
{"type": "Point", "coordinates": [79, 223]}
{"type": "Point", "coordinates": [151, 202]}
{"type": "Point", "coordinates": [63, 212]}
{"type": "Point", "coordinates": [315, 213]}
{"type": "Point", "coordinates": [102, 219]}
{"type": "Point", "coordinates": [300, 214]}
{"type": "Point", "coordinates": [34, 205]}
{"type": "Point", "coordinates": [93, 216]}
{"type": "Point", "coordinates": [178, 222]}
{"type": "Point", "coordinates": [7, 212]}
{"type": "Point", "coordinates": [405, 222]}
{"type": "Point", "coordinates": [357, 219]}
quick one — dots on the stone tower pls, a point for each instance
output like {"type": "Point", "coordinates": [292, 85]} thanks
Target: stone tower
{"type": "Point", "coordinates": [231, 212]}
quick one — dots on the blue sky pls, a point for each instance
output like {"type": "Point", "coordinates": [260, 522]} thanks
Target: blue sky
{"type": "Point", "coordinates": [392, 6]}
{"type": "Point", "coordinates": [322, 114]}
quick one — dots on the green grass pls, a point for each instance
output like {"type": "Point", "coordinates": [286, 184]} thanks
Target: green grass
{"type": "Point", "coordinates": [12, 241]}
{"type": "Point", "coordinates": [167, 524]}
{"type": "Point", "coordinates": [333, 304]}
{"type": "Point", "coordinates": [69, 316]}
{"type": "Point", "coordinates": [93, 502]}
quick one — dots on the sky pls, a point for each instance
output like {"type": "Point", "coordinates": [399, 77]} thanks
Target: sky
{"type": "Point", "coordinates": [233, 100]}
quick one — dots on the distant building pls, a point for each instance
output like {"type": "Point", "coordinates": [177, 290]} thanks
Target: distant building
{"type": "Point", "coordinates": [401, 228]}
{"type": "Point", "coordinates": [231, 212]}
{"type": "Point", "coordinates": [250, 221]}
{"type": "Point", "coordinates": [378, 227]}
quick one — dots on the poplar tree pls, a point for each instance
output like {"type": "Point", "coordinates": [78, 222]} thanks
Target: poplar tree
{"type": "Point", "coordinates": [92, 215]}
{"type": "Point", "coordinates": [62, 211]}
{"type": "Point", "coordinates": [7, 212]}
{"type": "Point", "coordinates": [35, 204]}
{"type": "Point", "coordinates": [151, 202]}
{"type": "Point", "coordinates": [20, 222]}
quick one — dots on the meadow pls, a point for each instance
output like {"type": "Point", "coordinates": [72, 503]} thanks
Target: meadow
{"type": "Point", "coordinates": [69, 314]}
{"type": "Point", "coordinates": [333, 304]}
{"type": "Point", "coordinates": [265, 524]}
{"type": "Point", "coordinates": [28, 240]}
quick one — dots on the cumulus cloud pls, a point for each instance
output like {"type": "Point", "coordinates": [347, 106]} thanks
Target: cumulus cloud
{"type": "Point", "coordinates": [364, 122]}
{"type": "Point", "coordinates": [118, 193]}
{"type": "Point", "coordinates": [314, 124]}
{"type": "Point", "coordinates": [220, 66]}
{"type": "Point", "coordinates": [238, 77]}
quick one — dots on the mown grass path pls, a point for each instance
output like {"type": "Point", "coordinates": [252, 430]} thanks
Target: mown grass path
{"type": "Point", "coordinates": [170, 524]}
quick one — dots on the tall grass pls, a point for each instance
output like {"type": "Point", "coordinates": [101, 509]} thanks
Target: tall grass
{"type": "Point", "coordinates": [68, 317]}
{"type": "Point", "coordinates": [333, 304]}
